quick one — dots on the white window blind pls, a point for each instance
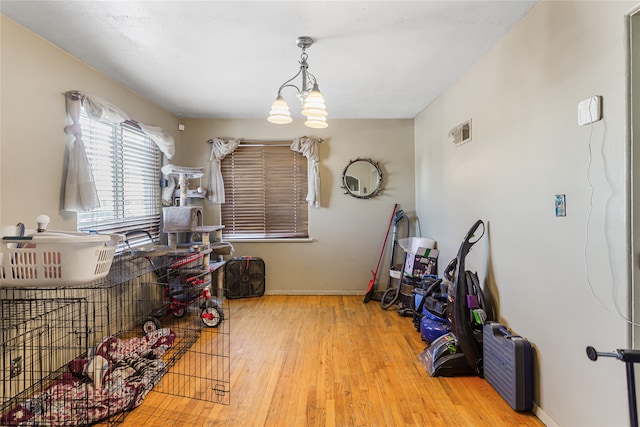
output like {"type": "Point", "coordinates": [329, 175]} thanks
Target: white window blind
{"type": "Point", "coordinates": [265, 192]}
{"type": "Point", "coordinates": [126, 168]}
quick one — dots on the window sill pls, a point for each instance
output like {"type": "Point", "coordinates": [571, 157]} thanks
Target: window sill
{"type": "Point", "coordinates": [297, 240]}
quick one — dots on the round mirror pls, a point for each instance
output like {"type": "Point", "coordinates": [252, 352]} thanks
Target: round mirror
{"type": "Point", "coordinates": [362, 178]}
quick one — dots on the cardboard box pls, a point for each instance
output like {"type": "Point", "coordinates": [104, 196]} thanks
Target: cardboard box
{"type": "Point", "coordinates": [421, 257]}
{"type": "Point", "coordinates": [417, 245]}
{"type": "Point", "coordinates": [417, 266]}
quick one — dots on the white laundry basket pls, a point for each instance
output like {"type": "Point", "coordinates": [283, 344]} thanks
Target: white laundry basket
{"type": "Point", "coordinates": [57, 258]}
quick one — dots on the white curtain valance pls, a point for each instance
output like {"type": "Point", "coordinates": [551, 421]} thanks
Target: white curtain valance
{"type": "Point", "coordinates": [80, 190]}
{"type": "Point", "coordinates": [219, 150]}
{"type": "Point", "coordinates": [308, 147]}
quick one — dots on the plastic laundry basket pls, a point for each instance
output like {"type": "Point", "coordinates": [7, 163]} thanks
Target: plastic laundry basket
{"type": "Point", "coordinates": [57, 258]}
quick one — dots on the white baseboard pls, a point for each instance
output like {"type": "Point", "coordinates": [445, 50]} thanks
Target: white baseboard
{"type": "Point", "coordinates": [313, 292]}
{"type": "Point", "coordinates": [542, 416]}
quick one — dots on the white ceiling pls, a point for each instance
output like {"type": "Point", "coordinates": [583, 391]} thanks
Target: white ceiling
{"type": "Point", "coordinates": [226, 59]}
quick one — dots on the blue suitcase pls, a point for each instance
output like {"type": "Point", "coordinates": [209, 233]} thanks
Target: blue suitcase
{"type": "Point", "coordinates": [508, 365]}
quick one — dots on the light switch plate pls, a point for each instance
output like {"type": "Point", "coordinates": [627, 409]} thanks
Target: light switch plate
{"type": "Point", "coordinates": [561, 207]}
{"type": "Point", "coordinates": [590, 110]}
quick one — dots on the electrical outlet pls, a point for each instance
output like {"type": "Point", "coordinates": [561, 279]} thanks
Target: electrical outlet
{"type": "Point", "coordinates": [590, 110]}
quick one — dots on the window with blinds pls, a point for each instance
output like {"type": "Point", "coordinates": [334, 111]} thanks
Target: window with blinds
{"type": "Point", "coordinates": [126, 168]}
{"type": "Point", "coordinates": [265, 193]}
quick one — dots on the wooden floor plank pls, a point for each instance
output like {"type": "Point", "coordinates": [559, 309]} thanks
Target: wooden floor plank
{"type": "Point", "coordinates": [330, 361]}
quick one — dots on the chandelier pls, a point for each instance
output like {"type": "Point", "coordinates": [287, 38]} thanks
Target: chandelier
{"type": "Point", "coordinates": [313, 107]}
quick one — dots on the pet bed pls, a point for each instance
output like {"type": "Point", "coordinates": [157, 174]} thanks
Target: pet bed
{"type": "Point", "coordinates": [114, 376]}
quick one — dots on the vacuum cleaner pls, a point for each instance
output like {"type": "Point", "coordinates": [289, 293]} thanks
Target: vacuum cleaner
{"type": "Point", "coordinates": [459, 352]}
{"type": "Point", "coordinates": [390, 296]}
{"type": "Point", "coordinates": [430, 300]}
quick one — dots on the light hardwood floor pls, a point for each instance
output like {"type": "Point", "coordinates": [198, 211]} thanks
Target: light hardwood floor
{"type": "Point", "coordinates": [330, 361]}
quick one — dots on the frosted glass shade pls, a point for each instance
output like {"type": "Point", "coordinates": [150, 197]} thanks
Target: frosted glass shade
{"type": "Point", "coordinates": [316, 122]}
{"type": "Point", "coordinates": [313, 105]}
{"type": "Point", "coordinates": [280, 112]}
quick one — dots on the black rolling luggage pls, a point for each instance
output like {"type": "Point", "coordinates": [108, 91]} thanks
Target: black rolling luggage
{"type": "Point", "coordinates": [244, 277]}
{"type": "Point", "coordinates": [508, 365]}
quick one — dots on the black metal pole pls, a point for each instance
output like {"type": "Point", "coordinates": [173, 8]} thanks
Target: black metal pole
{"type": "Point", "coordinates": [629, 357]}
{"type": "Point", "coordinates": [631, 392]}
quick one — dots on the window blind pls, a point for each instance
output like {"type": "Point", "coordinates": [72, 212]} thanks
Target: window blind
{"type": "Point", "coordinates": [126, 168]}
{"type": "Point", "coordinates": [265, 193]}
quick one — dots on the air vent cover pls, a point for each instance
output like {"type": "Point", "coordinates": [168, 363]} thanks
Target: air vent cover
{"type": "Point", "coordinates": [461, 133]}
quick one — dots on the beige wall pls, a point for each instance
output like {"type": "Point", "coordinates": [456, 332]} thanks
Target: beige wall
{"type": "Point", "coordinates": [347, 232]}
{"type": "Point", "coordinates": [527, 147]}
{"type": "Point", "coordinates": [34, 76]}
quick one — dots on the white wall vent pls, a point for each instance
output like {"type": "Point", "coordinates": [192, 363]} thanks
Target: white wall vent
{"type": "Point", "coordinates": [461, 133]}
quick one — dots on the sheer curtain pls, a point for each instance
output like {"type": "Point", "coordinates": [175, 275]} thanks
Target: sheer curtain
{"type": "Point", "coordinates": [80, 190]}
{"type": "Point", "coordinates": [308, 147]}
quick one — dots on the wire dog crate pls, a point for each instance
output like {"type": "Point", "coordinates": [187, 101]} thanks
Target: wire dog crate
{"type": "Point", "coordinates": [38, 339]}
{"type": "Point", "coordinates": [81, 354]}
